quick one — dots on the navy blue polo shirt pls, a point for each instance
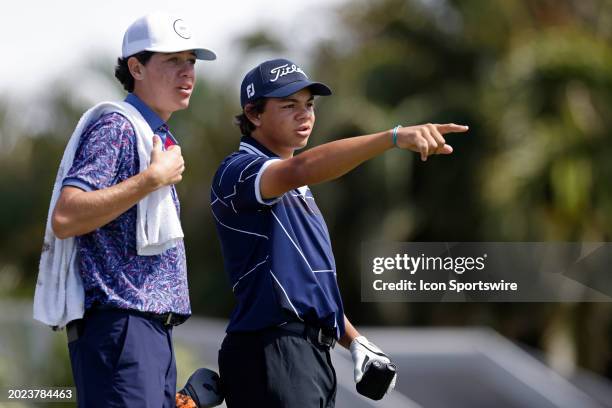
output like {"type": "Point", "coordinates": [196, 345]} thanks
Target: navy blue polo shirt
{"type": "Point", "coordinates": [277, 252]}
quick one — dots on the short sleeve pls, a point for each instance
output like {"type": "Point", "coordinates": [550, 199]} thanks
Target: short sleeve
{"type": "Point", "coordinates": [236, 183]}
{"type": "Point", "coordinates": [101, 147]}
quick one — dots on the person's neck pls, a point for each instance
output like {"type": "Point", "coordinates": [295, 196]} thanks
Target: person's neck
{"type": "Point", "coordinates": [280, 152]}
{"type": "Point", "coordinates": [165, 116]}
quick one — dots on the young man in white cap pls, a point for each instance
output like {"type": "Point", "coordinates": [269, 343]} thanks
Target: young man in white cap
{"type": "Point", "coordinates": [277, 249]}
{"type": "Point", "coordinates": [119, 204]}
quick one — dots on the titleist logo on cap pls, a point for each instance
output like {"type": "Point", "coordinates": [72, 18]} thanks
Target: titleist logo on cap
{"type": "Point", "coordinates": [285, 69]}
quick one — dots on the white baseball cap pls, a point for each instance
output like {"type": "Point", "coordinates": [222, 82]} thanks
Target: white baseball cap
{"type": "Point", "coordinates": [160, 32]}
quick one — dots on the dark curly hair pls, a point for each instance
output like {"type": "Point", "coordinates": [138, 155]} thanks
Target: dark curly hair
{"type": "Point", "coordinates": [242, 120]}
{"type": "Point", "coordinates": [122, 71]}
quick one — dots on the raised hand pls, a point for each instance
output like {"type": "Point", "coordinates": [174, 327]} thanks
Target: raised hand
{"type": "Point", "coordinates": [427, 139]}
{"type": "Point", "coordinates": [166, 167]}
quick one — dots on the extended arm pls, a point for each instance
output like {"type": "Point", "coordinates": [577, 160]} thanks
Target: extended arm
{"type": "Point", "coordinates": [332, 160]}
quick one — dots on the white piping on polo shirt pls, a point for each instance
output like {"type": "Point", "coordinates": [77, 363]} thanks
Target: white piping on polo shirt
{"type": "Point", "coordinates": [298, 248]}
{"type": "Point", "coordinates": [252, 175]}
{"type": "Point", "coordinates": [245, 147]}
{"type": "Point", "coordinates": [287, 296]}
{"type": "Point", "coordinates": [217, 199]}
{"type": "Point", "coordinates": [252, 149]}
{"type": "Point", "coordinates": [235, 229]}
{"type": "Point", "coordinates": [228, 164]}
{"type": "Point", "coordinates": [252, 269]}
{"type": "Point", "coordinates": [258, 196]}
{"type": "Point", "coordinates": [304, 197]}
{"type": "Point", "coordinates": [246, 167]}
{"type": "Point", "coordinates": [232, 194]}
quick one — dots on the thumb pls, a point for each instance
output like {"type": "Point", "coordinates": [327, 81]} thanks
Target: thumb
{"type": "Point", "coordinates": [360, 362]}
{"type": "Point", "coordinates": [446, 149]}
{"type": "Point", "coordinates": [156, 147]}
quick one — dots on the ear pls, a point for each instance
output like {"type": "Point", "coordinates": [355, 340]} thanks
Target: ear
{"type": "Point", "coordinates": [136, 68]}
{"type": "Point", "coordinates": [254, 117]}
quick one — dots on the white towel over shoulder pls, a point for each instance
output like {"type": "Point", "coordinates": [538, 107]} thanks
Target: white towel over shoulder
{"type": "Point", "coordinates": [59, 296]}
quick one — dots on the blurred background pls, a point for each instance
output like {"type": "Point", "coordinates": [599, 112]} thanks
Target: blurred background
{"type": "Point", "coordinates": [532, 79]}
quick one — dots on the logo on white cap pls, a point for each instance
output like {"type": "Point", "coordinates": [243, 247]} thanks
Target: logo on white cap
{"type": "Point", "coordinates": [181, 29]}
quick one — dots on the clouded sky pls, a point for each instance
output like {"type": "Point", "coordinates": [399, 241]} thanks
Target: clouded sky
{"type": "Point", "coordinates": [42, 40]}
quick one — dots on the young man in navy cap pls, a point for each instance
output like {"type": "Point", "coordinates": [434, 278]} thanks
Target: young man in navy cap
{"type": "Point", "coordinates": [276, 246]}
{"type": "Point", "coordinates": [119, 205]}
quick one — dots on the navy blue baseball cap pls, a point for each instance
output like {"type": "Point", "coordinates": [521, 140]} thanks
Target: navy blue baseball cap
{"type": "Point", "coordinates": [277, 78]}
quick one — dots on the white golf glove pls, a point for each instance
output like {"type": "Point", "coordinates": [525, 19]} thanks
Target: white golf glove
{"type": "Point", "coordinates": [364, 353]}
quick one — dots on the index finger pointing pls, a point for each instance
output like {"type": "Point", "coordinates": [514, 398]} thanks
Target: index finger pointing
{"type": "Point", "coordinates": [452, 128]}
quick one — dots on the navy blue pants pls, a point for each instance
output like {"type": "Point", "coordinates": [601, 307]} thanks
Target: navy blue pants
{"type": "Point", "coordinates": [123, 360]}
{"type": "Point", "coordinates": [274, 368]}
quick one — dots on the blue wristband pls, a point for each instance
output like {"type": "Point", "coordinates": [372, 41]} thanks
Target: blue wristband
{"type": "Point", "coordinates": [395, 129]}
